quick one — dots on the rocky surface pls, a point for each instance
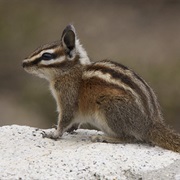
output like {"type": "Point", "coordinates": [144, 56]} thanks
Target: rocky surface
{"type": "Point", "coordinates": [24, 154]}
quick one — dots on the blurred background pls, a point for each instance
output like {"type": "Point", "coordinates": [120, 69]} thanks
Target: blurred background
{"type": "Point", "coordinates": [143, 35]}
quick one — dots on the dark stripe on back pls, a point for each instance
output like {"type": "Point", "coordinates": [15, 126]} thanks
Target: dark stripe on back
{"type": "Point", "coordinates": [125, 79]}
{"type": "Point", "coordinates": [103, 84]}
{"type": "Point", "coordinates": [153, 101]}
{"type": "Point", "coordinates": [116, 64]}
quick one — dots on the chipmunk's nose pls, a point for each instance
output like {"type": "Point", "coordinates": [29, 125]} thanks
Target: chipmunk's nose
{"type": "Point", "coordinates": [24, 64]}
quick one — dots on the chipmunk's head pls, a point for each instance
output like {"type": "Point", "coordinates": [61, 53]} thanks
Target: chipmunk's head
{"type": "Point", "coordinates": [58, 57]}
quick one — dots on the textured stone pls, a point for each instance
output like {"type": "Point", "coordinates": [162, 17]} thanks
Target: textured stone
{"type": "Point", "coordinates": [24, 154]}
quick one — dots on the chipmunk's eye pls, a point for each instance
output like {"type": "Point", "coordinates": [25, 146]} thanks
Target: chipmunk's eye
{"type": "Point", "coordinates": [47, 56]}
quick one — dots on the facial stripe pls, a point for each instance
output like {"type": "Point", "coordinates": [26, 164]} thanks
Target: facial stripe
{"type": "Point", "coordinates": [58, 55]}
{"type": "Point", "coordinates": [45, 47]}
{"type": "Point", "coordinates": [38, 56]}
{"type": "Point", "coordinates": [53, 61]}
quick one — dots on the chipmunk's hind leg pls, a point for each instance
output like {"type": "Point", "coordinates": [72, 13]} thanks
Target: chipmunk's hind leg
{"type": "Point", "coordinates": [125, 119]}
{"type": "Point", "coordinates": [114, 140]}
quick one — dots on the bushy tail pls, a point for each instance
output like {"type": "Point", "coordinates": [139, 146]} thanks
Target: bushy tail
{"type": "Point", "coordinates": [161, 135]}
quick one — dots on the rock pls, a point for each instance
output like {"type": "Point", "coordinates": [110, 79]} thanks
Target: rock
{"type": "Point", "coordinates": [24, 154]}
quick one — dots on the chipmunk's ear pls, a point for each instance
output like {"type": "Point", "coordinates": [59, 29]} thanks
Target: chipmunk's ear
{"type": "Point", "coordinates": [68, 40]}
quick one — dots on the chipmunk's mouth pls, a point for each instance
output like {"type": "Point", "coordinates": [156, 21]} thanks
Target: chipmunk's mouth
{"type": "Point", "coordinates": [28, 66]}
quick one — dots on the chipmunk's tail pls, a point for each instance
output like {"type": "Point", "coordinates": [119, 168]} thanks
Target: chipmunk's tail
{"type": "Point", "coordinates": [161, 135]}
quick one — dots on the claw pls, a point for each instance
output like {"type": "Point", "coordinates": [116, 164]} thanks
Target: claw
{"type": "Point", "coordinates": [43, 133]}
{"type": "Point", "coordinates": [50, 135]}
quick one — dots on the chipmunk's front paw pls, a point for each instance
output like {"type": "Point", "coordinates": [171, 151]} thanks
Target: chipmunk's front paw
{"type": "Point", "coordinates": [51, 135]}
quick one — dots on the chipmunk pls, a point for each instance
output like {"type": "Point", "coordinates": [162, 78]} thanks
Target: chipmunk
{"type": "Point", "coordinates": [106, 94]}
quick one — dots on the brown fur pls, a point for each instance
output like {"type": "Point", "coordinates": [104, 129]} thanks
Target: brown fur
{"type": "Point", "coordinates": [161, 135]}
{"type": "Point", "coordinates": [105, 94]}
